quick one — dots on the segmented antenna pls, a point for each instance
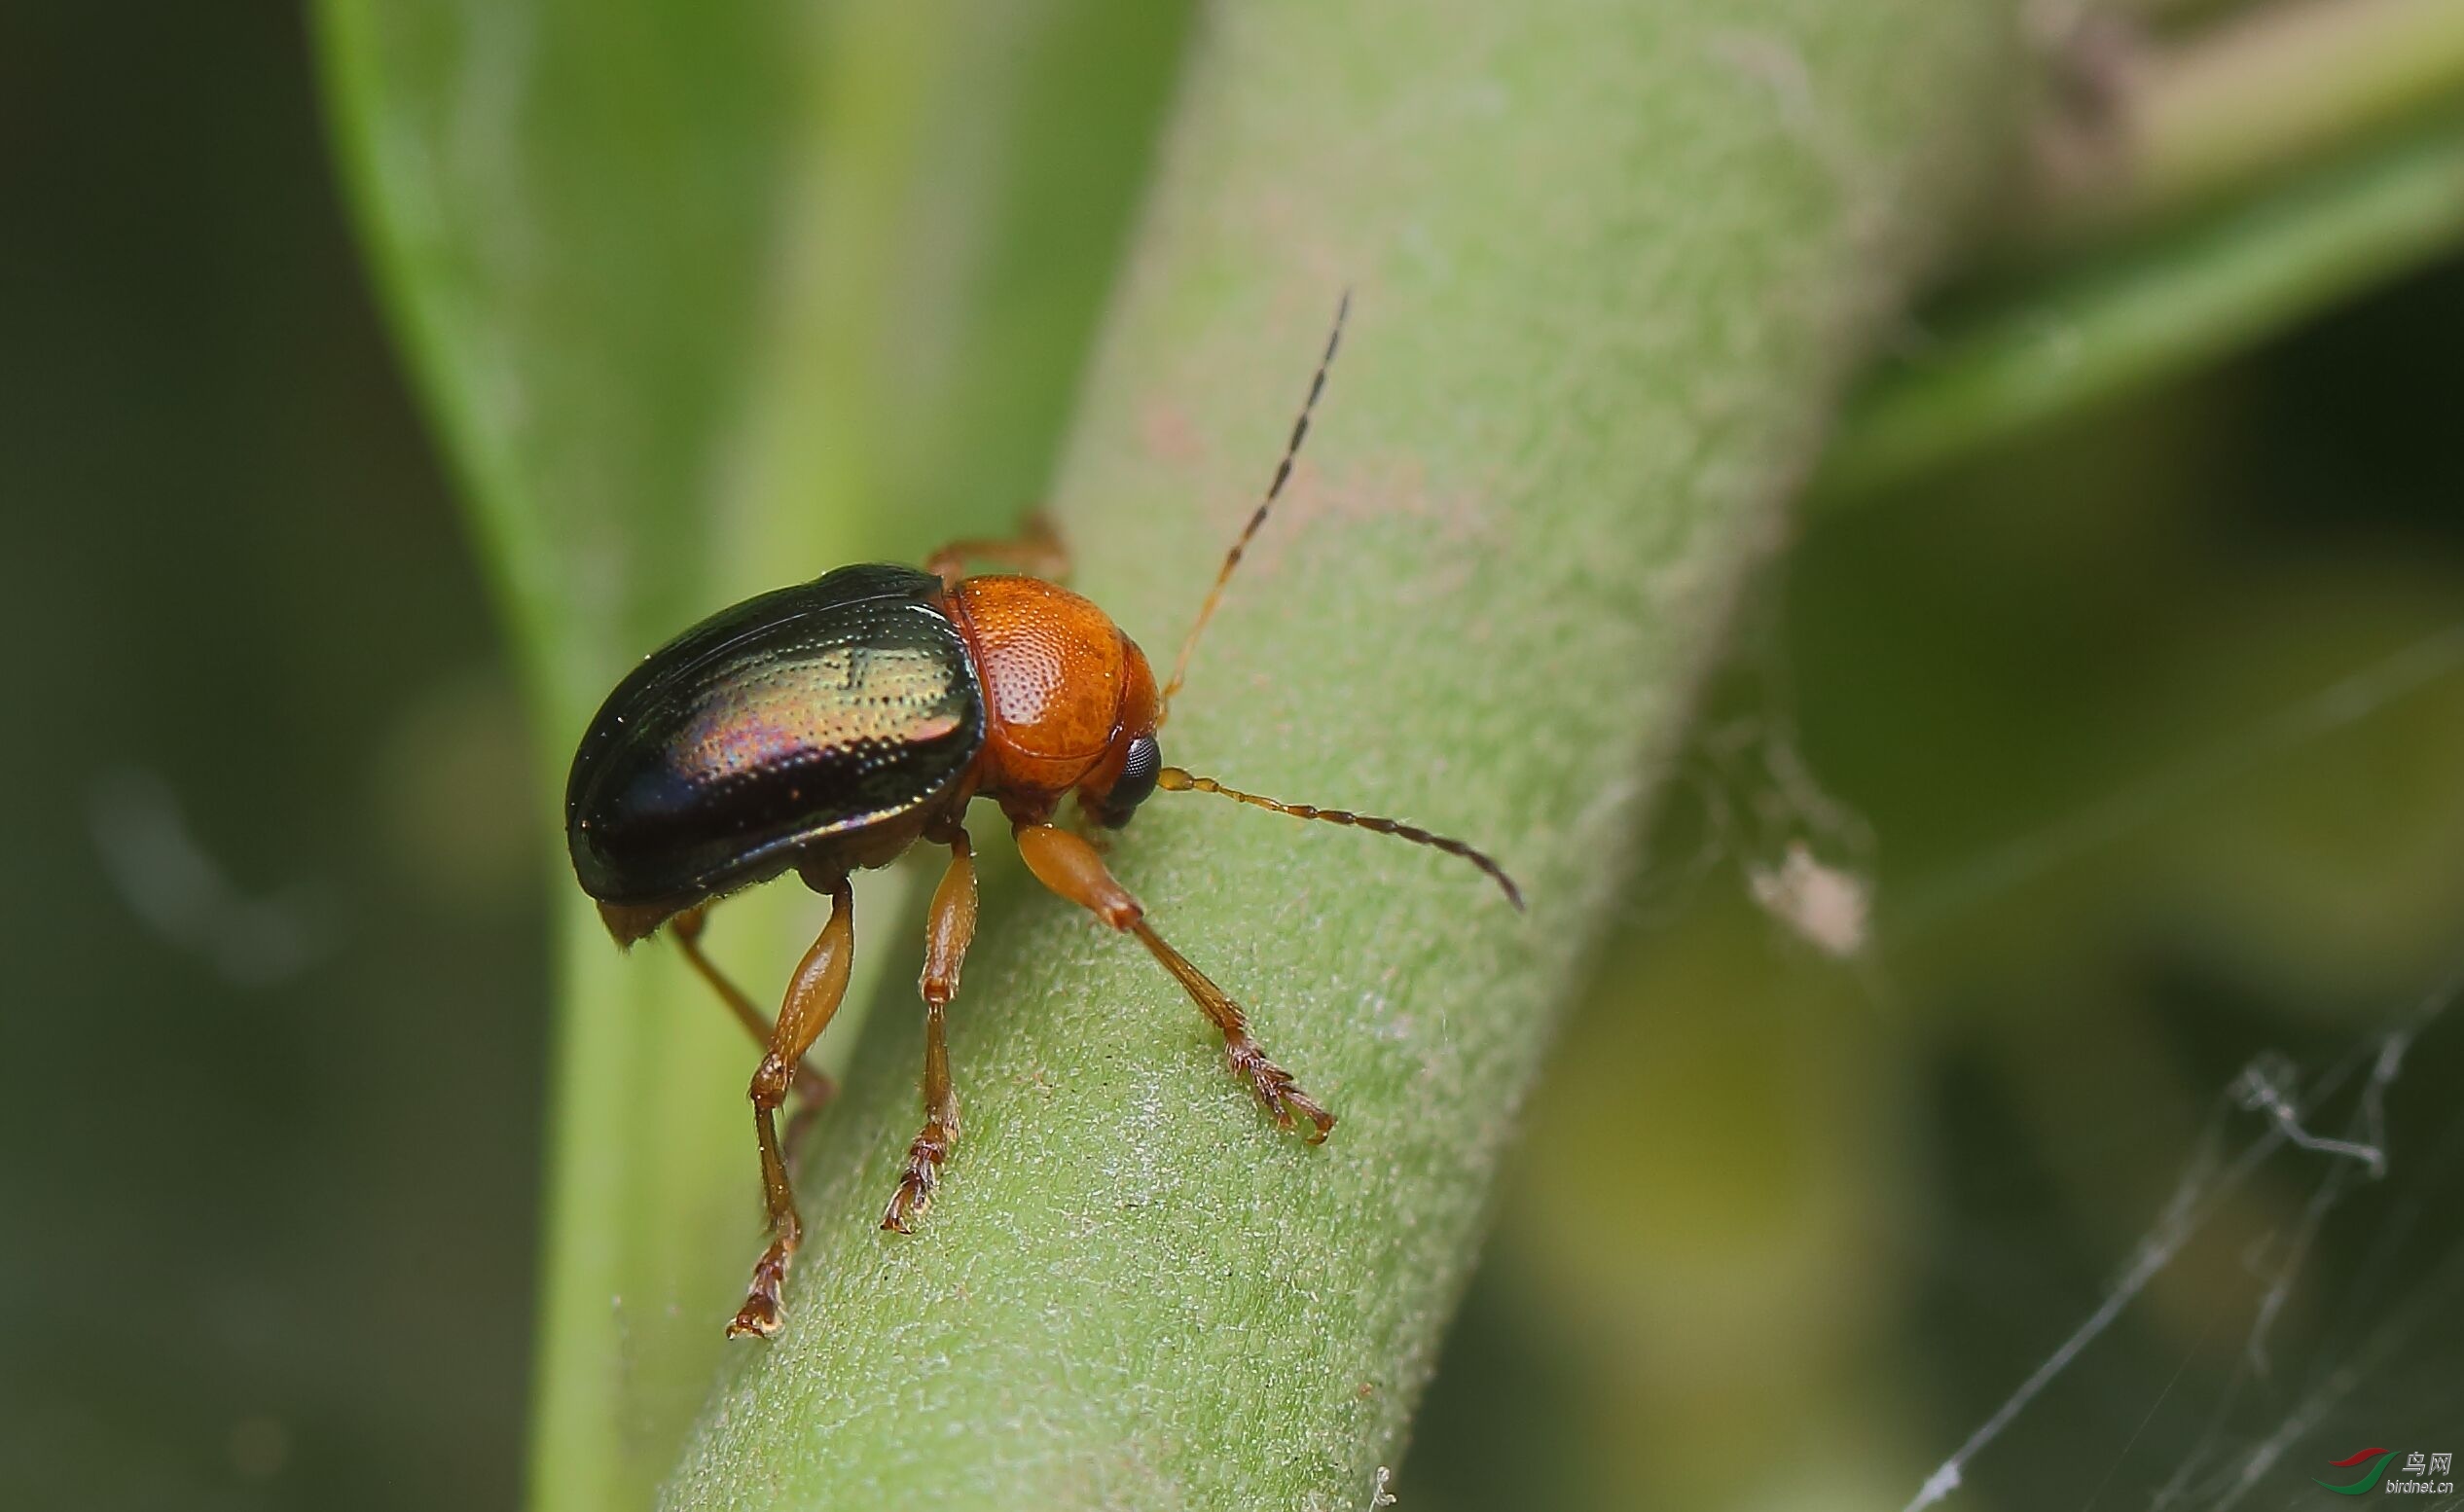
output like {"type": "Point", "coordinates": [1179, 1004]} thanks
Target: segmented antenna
{"type": "Point", "coordinates": [1273, 490]}
{"type": "Point", "coordinates": [1173, 779]}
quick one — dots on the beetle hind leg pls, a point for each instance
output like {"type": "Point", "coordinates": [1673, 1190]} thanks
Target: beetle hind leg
{"type": "Point", "coordinates": [1070, 867]}
{"type": "Point", "coordinates": [812, 1086]}
{"type": "Point", "coordinates": [814, 996]}
{"type": "Point", "coordinates": [948, 930]}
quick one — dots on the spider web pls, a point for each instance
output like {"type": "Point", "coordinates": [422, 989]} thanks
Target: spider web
{"type": "Point", "coordinates": [2248, 1430]}
{"type": "Point", "coordinates": [2380, 1359]}
{"type": "Point", "coordinates": [2351, 1291]}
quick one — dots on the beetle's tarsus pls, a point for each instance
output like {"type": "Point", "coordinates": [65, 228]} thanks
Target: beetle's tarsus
{"type": "Point", "coordinates": [1277, 1092]}
{"type": "Point", "coordinates": [920, 1179]}
{"type": "Point", "coordinates": [761, 1317]}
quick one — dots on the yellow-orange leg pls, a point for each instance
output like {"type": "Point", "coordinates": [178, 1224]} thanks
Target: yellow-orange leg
{"type": "Point", "coordinates": [812, 996]}
{"type": "Point", "coordinates": [812, 1088]}
{"type": "Point", "coordinates": [948, 929]}
{"type": "Point", "coordinates": [1070, 867]}
{"type": "Point", "coordinates": [1035, 551]}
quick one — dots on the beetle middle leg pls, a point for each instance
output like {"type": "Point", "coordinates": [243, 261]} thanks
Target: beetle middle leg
{"type": "Point", "coordinates": [948, 930]}
{"type": "Point", "coordinates": [814, 996]}
{"type": "Point", "coordinates": [1070, 866]}
{"type": "Point", "coordinates": [1037, 550]}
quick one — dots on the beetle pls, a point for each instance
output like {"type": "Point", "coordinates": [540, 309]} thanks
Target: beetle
{"type": "Point", "coordinates": [834, 725]}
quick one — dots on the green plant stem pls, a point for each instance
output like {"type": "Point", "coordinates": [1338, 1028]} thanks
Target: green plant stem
{"type": "Point", "coordinates": [2140, 315]}
{"type": "Point", "coordinates": [2260, 92]}
{"type": "Point", "coordinates": [1611, 263]}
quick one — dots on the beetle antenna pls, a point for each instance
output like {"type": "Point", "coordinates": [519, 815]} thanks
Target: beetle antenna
{"type": "Point", "coordinates": [1273, 490]}
{"type": "Point", "coordinates": [1173, 779]}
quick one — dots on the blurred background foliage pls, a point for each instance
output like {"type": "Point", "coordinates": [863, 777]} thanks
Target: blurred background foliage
{"type": "Point", "coordinates": [2140, 729]}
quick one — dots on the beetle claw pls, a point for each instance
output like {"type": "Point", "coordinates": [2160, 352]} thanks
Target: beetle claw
{"type": "Point", "coordinates": [761, 1315]}
{"type": "Point", "coordinates": [1276, 1090]}
{"type": "Point", "coordinates": [923, 1175]}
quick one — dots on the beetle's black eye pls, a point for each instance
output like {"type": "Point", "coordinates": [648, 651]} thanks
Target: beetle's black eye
{"type": "Point", "coordinates": [1136, 783]}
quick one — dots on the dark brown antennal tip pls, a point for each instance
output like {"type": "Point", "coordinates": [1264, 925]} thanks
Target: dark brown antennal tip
{"type": "Point", "coordinates": [1257, 517]}
{"type": "Point", "coordinates": [1173, 779]}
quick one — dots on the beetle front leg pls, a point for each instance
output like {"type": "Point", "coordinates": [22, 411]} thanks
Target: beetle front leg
{"type": "Point", "coordinates": [1070, 866]}
{"type": "Point", "coordinates": [948, 930]}
{"type": "Point", "coordinates": [814, 996]}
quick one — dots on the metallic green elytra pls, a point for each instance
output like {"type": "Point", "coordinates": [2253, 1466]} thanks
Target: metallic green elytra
{"type": "Point", "coordinates": [827, 722]}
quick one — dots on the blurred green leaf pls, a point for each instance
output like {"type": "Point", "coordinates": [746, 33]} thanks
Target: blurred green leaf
{"type": "Point", "coordinates": [2126, 318]}
{"type": "Point", "coordinates": [570, 207]}
{"type": "Point", "coordinates": [705, 298]}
